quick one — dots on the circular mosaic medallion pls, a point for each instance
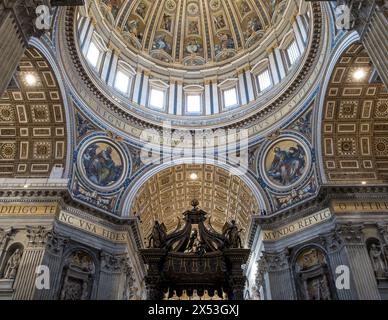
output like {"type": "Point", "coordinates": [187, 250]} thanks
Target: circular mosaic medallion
{"type": "Point", "coordinates": [102, 163]}
{"type": "Point", "coordinates": [285, 163]}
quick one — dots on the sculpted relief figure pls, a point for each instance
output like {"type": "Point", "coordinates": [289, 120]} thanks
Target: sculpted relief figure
{"type": "Point", "coordinates": [72, 290]}
{"type": "Point", "coordinates": [318, 289]}
{"type": "Point", "coordinates": [13, 265]}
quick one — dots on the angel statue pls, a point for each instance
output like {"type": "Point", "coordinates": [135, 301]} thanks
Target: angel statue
{"type": "Point", "coordinates": [231, 232]}
{"type": "Point", "coordinates": [158, 235]}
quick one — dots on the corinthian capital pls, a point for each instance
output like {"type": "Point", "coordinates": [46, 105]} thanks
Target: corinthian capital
{"type": "Point", "coordinates": [115, 263]}
{"type": "Point", "coordinates": [5, 235]}
{"type": "Point", "coordinates": [37, 235]}
{"type": "Point", "coordinates": [276, 261]}
{"type": "Point", "coordinates": [351, 233]}
{"type": "Point", "coordinates": [56, 243]}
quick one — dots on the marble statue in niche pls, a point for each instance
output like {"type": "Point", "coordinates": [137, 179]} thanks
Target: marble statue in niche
{"type": "Point", "coordinates": [286, 163]}
{"type": "Point", "coordinates": [102, 164]}
{"type": "Point", "coordinates": [312, 275]}
{"type": "Point", "coordinates": [376, 257]}
{"type": "Point", "coordinates": [13, 264]}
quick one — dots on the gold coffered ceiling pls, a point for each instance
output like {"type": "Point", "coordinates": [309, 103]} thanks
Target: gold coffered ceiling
{"type": "Point", "coordinates": [191, 32]}
{"type": "Point", "coordinates": [355, 122]}
{"type": "Point", "coordinates": [166, 195]}
{"type": "Point", "coordinates": [32, 121]}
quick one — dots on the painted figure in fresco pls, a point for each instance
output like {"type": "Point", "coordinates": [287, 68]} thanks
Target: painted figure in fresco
{"type": "Point", "coordinates": [287, 165]}
{"type": "Point", "coordinates": [219, 22]}
{"type": "Point", "coordinates": [13, 265]}
{"type": "Point", "coordinates": [252, 27]}
{"type": "Point", "coordinates": [161, 43]}
{"type": "Point", "coordinates": [141, 9]}
{"type": "Point", "coordinates": [100, 167]}
{"type": "Point", "coordinates": [193, 27]}
{"type": "Point", "coordinates": [113, 6]}
{"type": "Point", "coordinates": [133, 28]}
{"type": "Point", "coordinates": [167, 23]}
{"type": "Point", "coordinates": [226, 42]}
{"type": "Point", "coordinates": [193, 46]}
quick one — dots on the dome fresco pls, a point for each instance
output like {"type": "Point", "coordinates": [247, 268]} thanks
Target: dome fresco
{"type": "Point", "coordinates": [194, 32]}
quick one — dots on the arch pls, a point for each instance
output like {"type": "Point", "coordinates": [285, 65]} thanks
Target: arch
{"type": "Point", "coordinates": [342, 45]}
{"type": "Point", "coordinates": [66, 98]}
{"type": "Point", "coordinates": [312, 273]}
{"type": "Point", "coordinates": [354, 143]}
{"type": "Point", "coordinates": [244, 185]}
{"type": "Point", "coordinates": [34, 138]}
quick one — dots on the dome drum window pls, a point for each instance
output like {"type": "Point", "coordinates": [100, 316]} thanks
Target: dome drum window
{"type": "Point", "coordinates": [264, 80]}
{"type": "Point", "coordinates": [93, 55]}
{"type": "Point", "coordinates": [157, 98]}
{"type": "Point", "coordinates": [95, 51]}
{"type": "Point", "coordinates": [193, 103]}
{"type": "Point", "coordinates": [123, 78]}
{"type": "Point", "coordinates": [229, 93]}
{"type": "Point", "coordinates": [293, 53]}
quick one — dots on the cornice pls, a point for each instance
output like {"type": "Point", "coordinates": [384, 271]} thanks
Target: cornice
{"type": "Point", "coordinates": [322, 200]}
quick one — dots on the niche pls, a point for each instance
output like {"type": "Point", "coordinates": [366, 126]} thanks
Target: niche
{"type": "Point", "coordinates": [77, 276]}
{"type": "Point", "coordinates": [12, 262]}
{"type": "Point", "coordinates": [378, 257]}
{"type": "Point", "coordinates": [313, 277]}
